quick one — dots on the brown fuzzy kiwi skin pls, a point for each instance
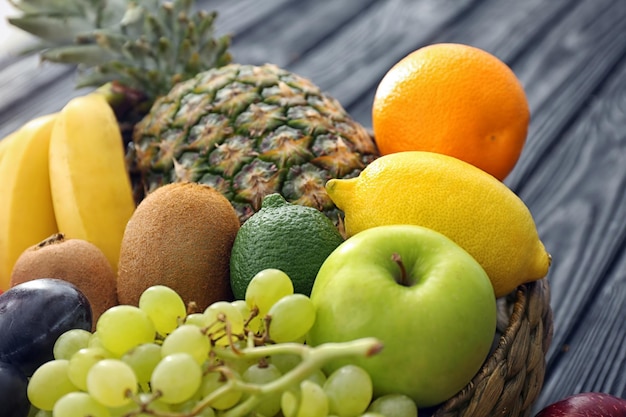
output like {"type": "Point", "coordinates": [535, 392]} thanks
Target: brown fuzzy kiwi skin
{"type": "Point", "coordinates": [180, 236]}
{"type": "Point", "coordinates": [74, 260]}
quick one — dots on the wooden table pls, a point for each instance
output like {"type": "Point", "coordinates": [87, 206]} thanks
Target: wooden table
{"type": "Point", "coordinates": [571, 57]}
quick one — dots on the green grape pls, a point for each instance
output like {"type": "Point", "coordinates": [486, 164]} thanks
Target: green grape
{"type": "Point", "coordinates": [111, 382]}
{"type": "Point", "coordinates": [143, 359]}
{"type": "Point", "coordinates": [70, 342]}
{"type": "Point", "coordinates": [290, 403]}
{"type": "Point", "coordinates": [123, 327]}
{"type": "Point", "coordinates": [177, 377]}
{"type": "Point", "coordinates": [206, 412]}
{"type": "Point", "coordinates": [232, 315]}
{"type": "Point", "coordinates": [241, 306]}
{"type": "Point", "coordinates": [237, 364]}
{"type": "Point", "coordinates": [262, 374]}
{"type": "Point", "coordinates": [349, 391]}
{"type": "Point", "coordinates": [188, 339]}
{"type": "Point", "coordinates": [313, 400]}
{"type": "Point", "coordinates": [292, 318]}
{"type": "Point", "coordinates": [132, 408]}
{"type": "Point", "coordinates": [394, 405]}
{"type": "Point", "coordinates": [188, 406]}
{"type": "Point", "coordinates": [267, 287]}
{"type": "Point", "coordinates": [82, 361]}
{"type": "Point", "coordinates": [34, 412]}
{"type": "Point", "coordinates": [164, 307]}
{"type": "Point", "coordinates": [79, 404]}
{"type": "Point", "coordinates": [255, 324]}
{"type": "Point", "coordinates": [372, 414]}
{"type": "Point", "coordinates": [307, 401]}
{"type": "Point", "coordinates": [49, 383]}
{"type": "Point", "coordinates": [215, 380]}
{"type": "Point", "coordinates": [196, 319]}
{"type": "Point", "coordinates": [318, 377]}
{"type": "Point", "coordinates": [94, 341]}
{"type": "Point", "coordinates": [285, 362]}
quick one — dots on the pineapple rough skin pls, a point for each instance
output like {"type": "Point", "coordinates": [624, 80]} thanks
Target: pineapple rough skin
{"type": "Point", "coordinates": [249, 131]}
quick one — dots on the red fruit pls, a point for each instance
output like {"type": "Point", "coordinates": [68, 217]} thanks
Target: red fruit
{"type": "Point", "coordinates": [587, 404]}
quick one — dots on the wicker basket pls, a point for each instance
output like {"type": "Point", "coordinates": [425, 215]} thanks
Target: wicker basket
{"type": "Point", "coordinates": [512, 377]}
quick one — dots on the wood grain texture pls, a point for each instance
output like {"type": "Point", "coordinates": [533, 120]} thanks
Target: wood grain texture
{"type": "Point", "coordinates": [571, 58]}
{"type": "Point", "coordinates": [572, 174]}
{"type": "Point", "coordinates": [581, 211]}
{"type": "Point", "coordinates": [258, 44]}
{"type": "Point", "coordinates": [351, 63]}
{"type": "Point", "coordinates": [593, 358]}
{"type": "Point", "coordinates": [478, 23]}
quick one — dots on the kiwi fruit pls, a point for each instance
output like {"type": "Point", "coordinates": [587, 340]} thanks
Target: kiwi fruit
{"type": "Point", "coordinates": [180, 236]}
{"type": "Point", "coordinates": [73, 260]}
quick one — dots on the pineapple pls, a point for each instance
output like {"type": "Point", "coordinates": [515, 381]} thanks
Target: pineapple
{"type": "Point", "coordinates": [250, 131]}
{"type": "Point", "coordinates": [246, 130]}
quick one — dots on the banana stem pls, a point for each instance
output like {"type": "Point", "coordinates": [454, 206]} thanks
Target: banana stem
{"type": "Point", "coordinates": [128, 104]}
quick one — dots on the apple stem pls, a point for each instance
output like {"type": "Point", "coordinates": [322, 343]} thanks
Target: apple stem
{"type": "Point", "coordinates": [404, 277]}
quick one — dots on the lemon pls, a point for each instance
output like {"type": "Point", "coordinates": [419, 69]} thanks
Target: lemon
{"type": "Point", "coordinates": [443, 193]}
{"type": "Point", "coordinates": [292, 238]}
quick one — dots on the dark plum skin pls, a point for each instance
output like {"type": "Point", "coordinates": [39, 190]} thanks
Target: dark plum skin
{"type": "Point", "coordinates": [13, 397]}
{"type": "Point", "coordinates": [587, 404]}
{"type": "Point", "coordinates": [33, 315]}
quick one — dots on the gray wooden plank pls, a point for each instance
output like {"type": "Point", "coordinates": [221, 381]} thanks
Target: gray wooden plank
{"type": "Point", "coordinates": [33, 91]}
{"type": "Point", "coordinates": [573, 181]}
{"type": "Point", "coordinates": [504, 28]}
{"type": "Point", "coordinates": [354, 60]}
{"type": "Point", "coordinates": [236, 17]}
{"type": "Point", "coordinates": [573, 175]}
{"type": "Point", "coordinates": [594, 358]}
{"type": "Point", "coordinates": [562, 72]}
{"type": "Point", "coordinates": [302, 27]}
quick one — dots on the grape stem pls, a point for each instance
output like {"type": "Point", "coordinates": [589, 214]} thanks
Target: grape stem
{"type": "Point", "coordinates": [313, 358]}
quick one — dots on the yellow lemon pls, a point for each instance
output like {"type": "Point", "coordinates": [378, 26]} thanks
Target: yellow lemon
{"type": "Point", "coordinates": [471, 207]}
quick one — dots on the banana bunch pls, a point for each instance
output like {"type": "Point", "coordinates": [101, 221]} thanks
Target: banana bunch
{"type": "Point", "coordinates": [26, 212]}
{"type": "Point", "coordinates": [64, 172]}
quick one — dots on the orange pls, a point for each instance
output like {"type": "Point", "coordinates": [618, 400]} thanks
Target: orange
{"type": "Point", "coordinates": [456, 100]}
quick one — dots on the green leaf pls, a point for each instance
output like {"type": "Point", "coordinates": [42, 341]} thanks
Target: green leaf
{"type": "Point", "coordinates": [53, 30]}
{"type": "Point", "coordinates": [87, 55]}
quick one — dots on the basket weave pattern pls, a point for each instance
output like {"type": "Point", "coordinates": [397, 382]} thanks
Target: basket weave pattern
{"type": "Point", "coordinates": [512, 377]}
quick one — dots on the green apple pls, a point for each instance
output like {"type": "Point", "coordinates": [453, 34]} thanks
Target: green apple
{"type": "Point", "coordinates": [428, 301]}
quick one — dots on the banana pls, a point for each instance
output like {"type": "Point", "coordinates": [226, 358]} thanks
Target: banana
{"type": "Point", "coordinates": [4, 142]}
{"type": "Point", "coordinates": [26, 212]}
{"type": "Point", "coordinates": [91, 189]}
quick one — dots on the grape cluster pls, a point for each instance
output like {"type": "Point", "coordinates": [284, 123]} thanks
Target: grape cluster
{"type": "Point", "coordinates": [247, 357]}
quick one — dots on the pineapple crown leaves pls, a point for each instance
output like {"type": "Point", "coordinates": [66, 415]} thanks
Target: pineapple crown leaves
{"type": "Point", "coordinates": [145, 45]}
